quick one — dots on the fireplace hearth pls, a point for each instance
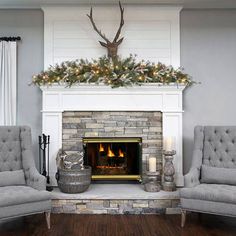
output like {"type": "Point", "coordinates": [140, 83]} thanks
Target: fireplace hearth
{"type": "Point", "coordinates": [114, 158]}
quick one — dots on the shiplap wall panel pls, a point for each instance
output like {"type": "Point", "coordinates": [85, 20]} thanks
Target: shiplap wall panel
{"type": "Point", "coordinates": [150, 32]}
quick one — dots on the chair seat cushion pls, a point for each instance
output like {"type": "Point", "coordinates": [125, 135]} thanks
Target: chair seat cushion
{"type": "Point", "coordinates": [15, 195]}
{"type": "Point", "coordinates": [211, 192]}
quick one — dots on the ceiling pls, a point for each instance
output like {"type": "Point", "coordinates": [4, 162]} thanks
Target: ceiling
{"type": "Point", "coordinates": [229, 4]}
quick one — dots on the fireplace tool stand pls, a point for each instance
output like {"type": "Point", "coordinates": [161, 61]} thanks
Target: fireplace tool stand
{"type": "Point", "coordinates": [44, 142]}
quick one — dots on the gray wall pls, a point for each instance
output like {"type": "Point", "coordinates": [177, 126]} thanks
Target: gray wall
{"type": "Point", "coordinates": [208, 53]}
{"type": "Point", "coordinates": [29, 25]}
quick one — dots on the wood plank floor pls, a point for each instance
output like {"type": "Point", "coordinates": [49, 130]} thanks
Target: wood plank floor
{"type": "Point", "coordinates": [120, 225]}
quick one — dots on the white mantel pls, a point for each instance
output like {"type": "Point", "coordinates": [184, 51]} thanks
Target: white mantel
{"type": "Point", "coordinates": [84, 97]}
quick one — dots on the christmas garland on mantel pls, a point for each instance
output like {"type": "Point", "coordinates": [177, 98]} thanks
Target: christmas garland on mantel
{"type": "Point", "coordinates": [117, 73]}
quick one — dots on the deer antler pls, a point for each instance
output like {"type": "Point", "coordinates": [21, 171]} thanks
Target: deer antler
{"type": "Point", "coordinates": [90, 16]}
{"type": "Point", "coordinates": [121, 24]}
{"type": "Point", "coordinates": [112, 47]}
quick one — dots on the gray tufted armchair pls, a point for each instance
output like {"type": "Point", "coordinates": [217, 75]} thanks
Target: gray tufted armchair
{"type": "Point", "coordinates": [22, 188]}
{"type": "Point", "coordinates": [210, 185]}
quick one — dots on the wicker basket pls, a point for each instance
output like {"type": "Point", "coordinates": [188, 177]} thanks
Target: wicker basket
{"type": "Point", "coordinates": [74, 181]}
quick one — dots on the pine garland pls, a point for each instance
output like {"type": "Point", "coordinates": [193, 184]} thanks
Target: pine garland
{"type": "Point", "coordinates": [118, 73]}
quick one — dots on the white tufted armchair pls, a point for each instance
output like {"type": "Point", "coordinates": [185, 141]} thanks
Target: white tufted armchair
{"type": "Point", "coordinates": [210, 185]}
{"type": "Point", "coordinates": [22, 188]}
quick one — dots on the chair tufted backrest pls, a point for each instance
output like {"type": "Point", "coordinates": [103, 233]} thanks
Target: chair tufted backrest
{"type": "Point", "coordinates": [10, 148]}
{"type": "Point", "coordinates": [219, 146]}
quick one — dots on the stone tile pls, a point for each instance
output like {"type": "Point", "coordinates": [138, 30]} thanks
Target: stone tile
{"type": "Point", "coordinates": [113, 205]}
{"type": "Point", "coordinates": [140, 205]}
{"type": "Point", "coordinates": [94, 126]}
{"type": "Point", "coordinates": [134, 211]}
{"type": "Point", "coordinates": [83, 211]}
{"type": "Point", "coordinates": [133, 131]}
{"type": "Point", "coordinates": [81, 207]}
{"type": "Point", "coordinates": [95, 205]}
{"type": "Point", "coordinates": [106, 203]}
{"type": "Point", "coordinates": [131, 124]}
{"type": "Point", "coordinates": [69, 208]}
{"type": "Point", "coordinates": [83, 113]}
{"type": "Point", "coordinates": [120, 123]}
{"type": "Point", "coordinates": [173, 211]}
{"type": "Point", "coordinates": [91, 134]}
{"type": "Point", "coordinates": [68, 114]}
{"type": "Point", "coordinates": [118, 201]}
{"type": "Point", "coordinates": [175, 203]}
{"type": "Point", "coordinates": [69, 131]}
{"type": "Point", "coordinates": [106, 134]}
{"type": "Point", "coordinates": [139, 119]}
{"type": "Point", "coordinates": [154, 211]}
{"type": "Point", "coordinates": [108, 123]}
{"type": "Point", "coordinates": [113, 211]}
{"type": "Point", "coordinates": [150, 150]}
{"type": "Point", "coordinates": [57, 209]}
{"type": "Point", "coordinates": [114, 129]}
{"type": "Point", "coordinates": [159, 203]}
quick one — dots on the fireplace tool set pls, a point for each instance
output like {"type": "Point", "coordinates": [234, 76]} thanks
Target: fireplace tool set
{"type": "Point", "coordinates": [44, 142]}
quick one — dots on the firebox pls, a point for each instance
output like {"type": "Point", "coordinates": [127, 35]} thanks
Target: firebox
{"type": "Point", "coordinates": [113, 158]}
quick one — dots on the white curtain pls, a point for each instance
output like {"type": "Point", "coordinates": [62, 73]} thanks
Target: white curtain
{"type": "Point", "coordinates": [7, 83]}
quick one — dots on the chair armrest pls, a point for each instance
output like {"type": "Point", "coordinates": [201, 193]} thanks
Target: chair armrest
{"type": "Point", "coordinates": [192, 178]}
{"type": "Point", "coordinates": [35, 180]}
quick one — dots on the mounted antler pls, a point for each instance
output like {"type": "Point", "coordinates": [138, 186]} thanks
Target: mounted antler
{"type": "Point", "coordinates": [112, 47]}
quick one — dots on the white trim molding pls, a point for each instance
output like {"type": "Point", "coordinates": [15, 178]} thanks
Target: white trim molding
{"type": "Point", "coordinates": [149, 97]}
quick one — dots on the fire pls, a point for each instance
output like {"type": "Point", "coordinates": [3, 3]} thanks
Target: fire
{"type": "Point", "coordinates": [110, 153]}
{"type": "Point", "coordinates": [101, 148]}
{"type": "Point", "coordinates": [121, 154]}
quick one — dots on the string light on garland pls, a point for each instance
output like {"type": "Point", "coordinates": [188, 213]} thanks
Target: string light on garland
{"type": "Point", "coordinates": [115, 73]}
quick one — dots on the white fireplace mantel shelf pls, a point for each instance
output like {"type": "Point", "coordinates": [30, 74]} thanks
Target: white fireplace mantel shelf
{"type": "Point", "coordinates": [168, 98]}
{"type": "Point", "coordinates": [91, 97]}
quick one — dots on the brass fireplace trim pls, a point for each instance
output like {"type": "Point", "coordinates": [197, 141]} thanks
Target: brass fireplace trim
{"type": "Point", "coordinates": [114, 140]}
{"type": "Point", "coordinates": [116, 177]}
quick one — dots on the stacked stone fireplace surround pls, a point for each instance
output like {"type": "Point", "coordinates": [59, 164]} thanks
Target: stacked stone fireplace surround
{"type": "Point", "coordinates": [145, 124]}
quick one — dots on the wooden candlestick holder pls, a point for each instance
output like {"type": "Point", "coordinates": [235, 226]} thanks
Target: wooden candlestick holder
{"type": "Point", "coordinates": [152, 183]}
{"type": "Point", "coordinates": [169, 171]}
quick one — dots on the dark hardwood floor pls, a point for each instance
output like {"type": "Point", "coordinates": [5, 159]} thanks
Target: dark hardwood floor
{"type": "Point", "coordinates": [120, 225]}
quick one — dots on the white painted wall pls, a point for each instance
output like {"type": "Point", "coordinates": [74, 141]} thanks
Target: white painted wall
{"type": "Point", "coordinates": [151, 32]}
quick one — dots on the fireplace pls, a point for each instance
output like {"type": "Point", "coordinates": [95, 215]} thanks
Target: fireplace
{"type": "Point", "coordinates": [85, 111]}
{"type": "Point", "coordinates": [106, 136]}
{"type": "Point", "coordinates": [113, 158]}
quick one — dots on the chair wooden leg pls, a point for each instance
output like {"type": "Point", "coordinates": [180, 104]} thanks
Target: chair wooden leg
{"type": "Point", "coordinates": [183, 218]}
{"type": "Point", "coordinates": [47, 215]}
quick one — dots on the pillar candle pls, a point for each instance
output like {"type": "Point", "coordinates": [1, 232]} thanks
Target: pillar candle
{"type": "Point", "coordinates": [168, 144]}
{"type": "Point", "coordinates": [152, 161]}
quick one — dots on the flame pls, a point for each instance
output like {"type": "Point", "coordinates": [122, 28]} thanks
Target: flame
{"type": "Point", "coordinates": [101, 148]}
{"type": "Point", "coordinates": [110, 153]}
{"type": "Point", "coordinates": [121, 154]}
